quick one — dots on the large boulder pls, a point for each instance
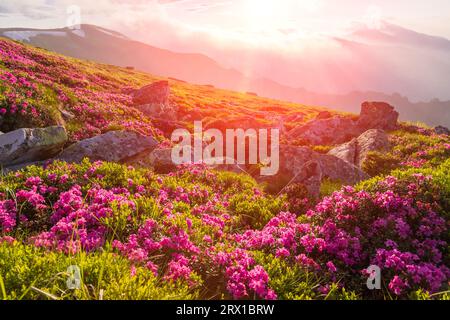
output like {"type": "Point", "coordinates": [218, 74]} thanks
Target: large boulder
{"type": "Point", "coordinates": [114, 146]}
{"type": "Point", "coordinates": [338, 129]}
{"type": "Point", "coordinates": [155, 93]}
{"type": "Point", "coordinates": [324, 115]}
{"type": "Point", "coordinates": [29, 145]}
{"type": "Point", "coordinates": [355, 151]}
{"type": "Point", "coordinates": [326, 131]}
{"type": "Point", "coordinates": [164, 111]}
{"type": "Point", "coordinates": [153, 101]}
{"type": "Point", "coordinates": [303, 165]}
{"type": "Point", "coordinates": [310, 175]}
{"type": "Point", "coordinates": [378, 115]}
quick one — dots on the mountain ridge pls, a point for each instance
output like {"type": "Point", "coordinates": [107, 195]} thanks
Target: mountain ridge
{"type": "Point", "coordinates": [106, 46]}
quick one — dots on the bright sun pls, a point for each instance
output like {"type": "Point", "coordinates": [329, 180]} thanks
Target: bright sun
{"type": "Point", "coordinates": [262, 14]}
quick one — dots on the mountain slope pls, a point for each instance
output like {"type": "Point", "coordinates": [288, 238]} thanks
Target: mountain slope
{"type": "Point", "coordinates": [40, 88]}
{"type": "Point", "coordinates": [106, 46]}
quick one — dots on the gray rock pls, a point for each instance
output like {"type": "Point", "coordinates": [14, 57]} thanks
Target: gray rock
{"type": "Point", "coordinates": [29, 145]}
{"type": "Point", "coordinates": [326, 131]}
{"type": "Point", "coordinates": [159, 159]}
{"type": "Point", "coordinates": [355, 151]}
{"type": "Point", "coordinates": [66, 115]}
{"type": "Point", "coordinates": [324, 115]}
{"type": "Point", "coordinates": [155, 93]}
{"type": "Point", "coordinates": [337, 130]}
{"type": "Point", "coordinates": [378, 115]}
{"type": "Point", "coordinates": [159, 110]}
{"type": "Point", "coordinates": [294, 160]}
{"type": "Point", "coordinates": [346, 151]}
{"type": "Point", "coordinates": [310, 175]}
{"type": "Point", "coordinates": [113, 146]}
{"type": "Point", "coordinates": [21, 166]}
{"type": "Point", "coordinates": [442, 130]}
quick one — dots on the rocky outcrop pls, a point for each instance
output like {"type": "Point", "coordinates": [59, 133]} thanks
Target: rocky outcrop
{"type": "Point", "coordinates": [326, 131]}
{"type": "Point", "coordinates": [310, 175]}
{"type": "Point", "coordinates": [355, 151]}
{"type": "Point", "coordinates": [324, 115]}
{"type": "Point", "coordinates": [159, 111]}
{"type": "Point", "coordinates": [114, 146]}
{"type": "Point", "coordinates": [29, 145]}
{"type": "Point", "coordinates": [153, 101]}
{"type": "Point", "coordinates": [337, 130]}
{"type": "Point", "coordinates": [309, 168]}
{"type": "Point", "coordinates": [442, 130]}
{"type": "Point", "coordinates": [157, 92]}
{"type": "Point", "coordinates": [377, 115]}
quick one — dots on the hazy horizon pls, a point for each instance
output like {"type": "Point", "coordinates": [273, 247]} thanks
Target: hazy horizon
{"type": "Point", "coordinates": [320, 45]}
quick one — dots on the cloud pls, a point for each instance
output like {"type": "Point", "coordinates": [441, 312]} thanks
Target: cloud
{"type": "Point", "coordinates": [33, 9]}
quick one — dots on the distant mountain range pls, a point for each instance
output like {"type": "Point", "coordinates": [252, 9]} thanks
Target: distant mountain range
{"type": "Point", "coordinates": [110, 47]}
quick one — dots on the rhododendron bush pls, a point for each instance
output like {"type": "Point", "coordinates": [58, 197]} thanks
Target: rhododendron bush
{"type": "Point", "coordinates": [37, 86]}
{"type": "Point", "coordinates": [185, 230]}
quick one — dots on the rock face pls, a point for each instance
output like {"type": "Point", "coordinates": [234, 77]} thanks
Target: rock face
{"type": "Point", "coordinates": [159, 111]}
{"type": "Point", "coordinates": [336, 130]}
{"type": "Point", "coordinates": [29, 145]}
{"type": "Point", "coordinates": [310, 175]}
{"type": "Point", "coordinates": [157, 92]}
{"type": "Point", "coordinates": [442, 130]}
{"type": "Point", "coordinates": [324, 115]}
{"type": "Point", "coordinates": [159, 159]}
{"type": "Point", "coordinates": [309, 167]}
{"type": "Point", "coordinates": [114, 146]}
{"type": "Point", "coordinates": [326, 131]}
{"type": "Point", "coordinates": [153, 101]}
{"type": "Point", "coordinates": [378, 115]}
{"type": "Point", "coordinates": [355, 151]}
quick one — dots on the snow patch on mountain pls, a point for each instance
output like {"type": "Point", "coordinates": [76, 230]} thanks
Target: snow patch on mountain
{"type": "Point", "coordinates": [27, 35]}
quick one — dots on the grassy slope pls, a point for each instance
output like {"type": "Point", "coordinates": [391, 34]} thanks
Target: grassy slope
{"type": "Point", "coordinates": [95, 94]}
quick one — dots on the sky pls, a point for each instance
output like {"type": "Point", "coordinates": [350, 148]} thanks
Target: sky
{"type": "Point", "coordinates": [261, 22]}
{"type": "Point", "coordinates": [280, 39]}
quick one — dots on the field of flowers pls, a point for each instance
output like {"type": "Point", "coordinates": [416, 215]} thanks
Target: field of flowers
{"type": "Point", "coordinates": [36, 85]}
{"type": "Point", "coordinates": [197, 233]}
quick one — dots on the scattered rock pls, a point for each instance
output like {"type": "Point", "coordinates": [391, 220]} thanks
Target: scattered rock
{"type": "Point", "coordinates": [153, 101]}
{"type": "Point", "coordinates": [324, 115]}
{"type": "Point", "coordinates": [28, 145]}
{"type": "Point", "coordinates": [293, 160]}
{"type": "Point", "coordinates": [326, 131]}
{"type": "Point", "coordinates": [155, 93]}
{"type": "Point", "coordinates": [336, 130]}
{"type": "Point", "coordinates": [346, 151]}
{"type": "Point", "coordinates": [355, 151]}
{"type": "Point", "coordinates": [159, 111]}
{"type": "Point", "coordinates": [442, 130]}
{"type": "Point", "coordinates": [66, 115]}
{"type": "Point", "coordinates": [113, 146]}
{"type": "Point", "coordinates": [377, 115]}
{"type": "Point", "coordinates": [296, 117]}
